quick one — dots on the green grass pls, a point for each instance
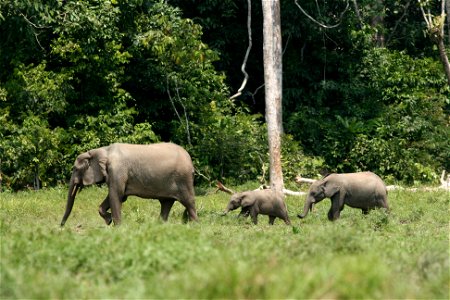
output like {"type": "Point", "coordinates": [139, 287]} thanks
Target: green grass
{"type": "Point", "coordinates": [401, 255]}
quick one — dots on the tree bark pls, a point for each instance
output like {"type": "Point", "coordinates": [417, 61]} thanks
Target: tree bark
{"type": "Point", "coordinates": [273, 88]}
{"type": "Point", "coordinates": [377, 22]}
{"type": "Point", "coordinates": [447, 8]}
{"type": "Point", "coordinates": [444, 58]}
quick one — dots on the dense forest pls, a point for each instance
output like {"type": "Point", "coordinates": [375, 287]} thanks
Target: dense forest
{"type": "Point", "coordinates": [364, 86]}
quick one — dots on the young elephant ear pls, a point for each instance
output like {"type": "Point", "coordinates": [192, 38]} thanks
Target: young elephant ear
{"type": "Point", "coordinates": [247, 199]}
{"type": "Point", "coordinates": [330, 188]}
{"type": "Point", "coordinates": [97, 165]}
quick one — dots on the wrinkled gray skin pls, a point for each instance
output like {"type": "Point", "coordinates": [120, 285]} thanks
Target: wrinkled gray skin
{"type": "Point", "coordinates": [264, 202]}
{"type": "Point", "coordinates": [162, 171]}
{"type": "Point", "coordinates": [364, 190]}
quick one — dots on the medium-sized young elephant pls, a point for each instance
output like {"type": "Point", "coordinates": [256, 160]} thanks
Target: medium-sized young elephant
{"type": "Point", "coordinates": [364, 190]}
{"type": "Point", "coordinates": [264, 202]}
{"type": "Point", "coordinates": [162, 171]}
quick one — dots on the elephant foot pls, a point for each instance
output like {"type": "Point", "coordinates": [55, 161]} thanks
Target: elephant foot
{"type": "Point", "coordinates": [107, 217]}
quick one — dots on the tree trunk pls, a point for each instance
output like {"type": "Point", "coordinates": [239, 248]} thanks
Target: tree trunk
{"type": "Point", "coordinates": [444, 58]}
{"type": "Point", "coordinates": [377, 22]}
{"type": "Point", "coordinates": [447, 8]}
{"type": "Point", "coordinates": [273, 88]}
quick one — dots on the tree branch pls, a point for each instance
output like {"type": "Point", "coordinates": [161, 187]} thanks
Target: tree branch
{"type": "Point", "coordinates": [319, 23]}
{"type": "Point", "coordinates": [221, 187]}
{"type": "Point", "coordinates": [299, 179]}
{"type": "Point", "coordinates": [405, 12]}
{"type": "Point", "coordinates": [175, 109]}
{"type": "Point", "coordinates": [425, 15]}
{"type": "Point", "coordinates": [247, 53]}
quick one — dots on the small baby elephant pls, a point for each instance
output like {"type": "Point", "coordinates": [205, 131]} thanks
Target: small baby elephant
{"type": "Point", "coordinates": [363, 190]}
{"type": "Point", "coordinates": [256, 202]}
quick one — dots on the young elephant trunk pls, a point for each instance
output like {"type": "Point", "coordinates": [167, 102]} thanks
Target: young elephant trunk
{"type": "Point", "coordinates": [73, 188]}
{"type": "Point", "coordinates": [308, 206]}
{"type": "Point", "coordinates": [226, 211]}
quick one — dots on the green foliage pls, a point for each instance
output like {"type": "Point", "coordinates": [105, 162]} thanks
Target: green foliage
{"type": "Point", "coordinates": [411, 133]}
{"type": "Point", "coordinates": [75, 75]}
{"type": "Point", "coordinates": [31, 154]}
{"type": "Point", "coordinates": [38, 90]}
{"type": "Point", "coordinates": [403, 254]}
{"type": "Point", "coordinates": [296, 163]}
{"type": "Point", "coordinates": [106, 72]}
{"type": "Point", "coordinates": [231, 147]}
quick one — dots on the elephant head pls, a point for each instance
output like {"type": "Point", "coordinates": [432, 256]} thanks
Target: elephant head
{"type": "Point", "coordinates": [239, 200]}
{"type": "Point", "coordinates": [89, 168]}
{"type": "Point", "coordinates": [318, 191]}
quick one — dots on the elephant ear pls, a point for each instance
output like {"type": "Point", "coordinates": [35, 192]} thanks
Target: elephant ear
{"type": "Point", "coordinates": [247, 200]}
{"type": "Point", "coordinates": [330, 188]}
{"type": "Point", "coordinates": [82, 162]}
{"type": "Point", "coordinates": [97, 166]}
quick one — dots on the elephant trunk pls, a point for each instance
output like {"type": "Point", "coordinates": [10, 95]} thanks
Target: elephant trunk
{"type": "Point", "coordinates": [73, 188]}
{"type": "Point", "coordinates": [226, 211]}
{"type": "Point", "coordinates": [308, 206]}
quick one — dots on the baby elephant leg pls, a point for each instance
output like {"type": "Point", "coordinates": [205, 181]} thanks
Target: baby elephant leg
{"type": "Point", "coordinates": [286, 220]}
{"type": "Point", "coordinates": [271, 220]}
{"type": "Point", "coordinates": [254, 215]}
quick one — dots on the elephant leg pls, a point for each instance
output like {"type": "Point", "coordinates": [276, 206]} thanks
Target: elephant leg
{"type": "Point", "coordinates": [286, 220]}
{"type": "Point", "coordinates": [115, 201]}
{"type": "Point", "coordinates": [337, 205]}
{"type": "Point", "coordinates": [166, 205]}
{"type": "Point", "coordinates": [245, 212]}
{"type": "Point", "coordinates": [190, 214]}
{"type": "Point", "coordinates": [384, 203]}
{"type": "Point", "coordinates": [188, 202]}
{"type": "Point", "coordinates": [103, 211]}
{"type": "Point", "coordinates": [330, 214]}
{"type": "Point", "coordinates": [271, 220]}
{"type": "Point", "coordinates": [254, 216]}
{"type": "Point", "coordinates": [334, 214]}
{"type": "Point", "coordinates": [285, 216]}
{"type": "Point", "coordinates": [365, 211]}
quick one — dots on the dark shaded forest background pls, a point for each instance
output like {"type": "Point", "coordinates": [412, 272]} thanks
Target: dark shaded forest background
{"type": "Point", "coordinates": [369, 94]}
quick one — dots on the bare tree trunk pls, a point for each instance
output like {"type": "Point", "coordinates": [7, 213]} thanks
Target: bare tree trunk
{"type": "Point", "coordinates": [273, 88]}
{"type": "Point", "coordinates": [444, 58]}
{"type": "Point", "coordinates": [377, 22]}
{"type": "Point", "coordinates": [1, 175]}
{"type": "Point", "coordinates": [447, 8]}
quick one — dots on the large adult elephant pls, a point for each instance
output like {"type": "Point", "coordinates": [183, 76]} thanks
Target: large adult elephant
{"type": "Point", "coordinates": [162, 171]}
{"type": "Point", "coordinates": [364, 190]}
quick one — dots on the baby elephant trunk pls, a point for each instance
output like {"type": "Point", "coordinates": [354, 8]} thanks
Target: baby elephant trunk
{"type": "Point", "coordinates": [227, 210]}
{"type": "Point", "coordinates": [308, 206]}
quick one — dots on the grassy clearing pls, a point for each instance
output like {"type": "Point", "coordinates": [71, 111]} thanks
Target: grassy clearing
{"type": "Point", "coordinates": [401, 255]}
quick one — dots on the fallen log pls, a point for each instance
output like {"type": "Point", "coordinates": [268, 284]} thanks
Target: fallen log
{"type": "Point", "coordinates": [221, 187]}
{"type": "Point", "coordinates": [299, 179]}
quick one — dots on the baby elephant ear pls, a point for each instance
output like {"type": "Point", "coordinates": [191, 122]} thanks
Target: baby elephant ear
{"type": "Point", "coordinates": [330, 189]}
{"type": "Point", "coordinates": [247, 199]}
